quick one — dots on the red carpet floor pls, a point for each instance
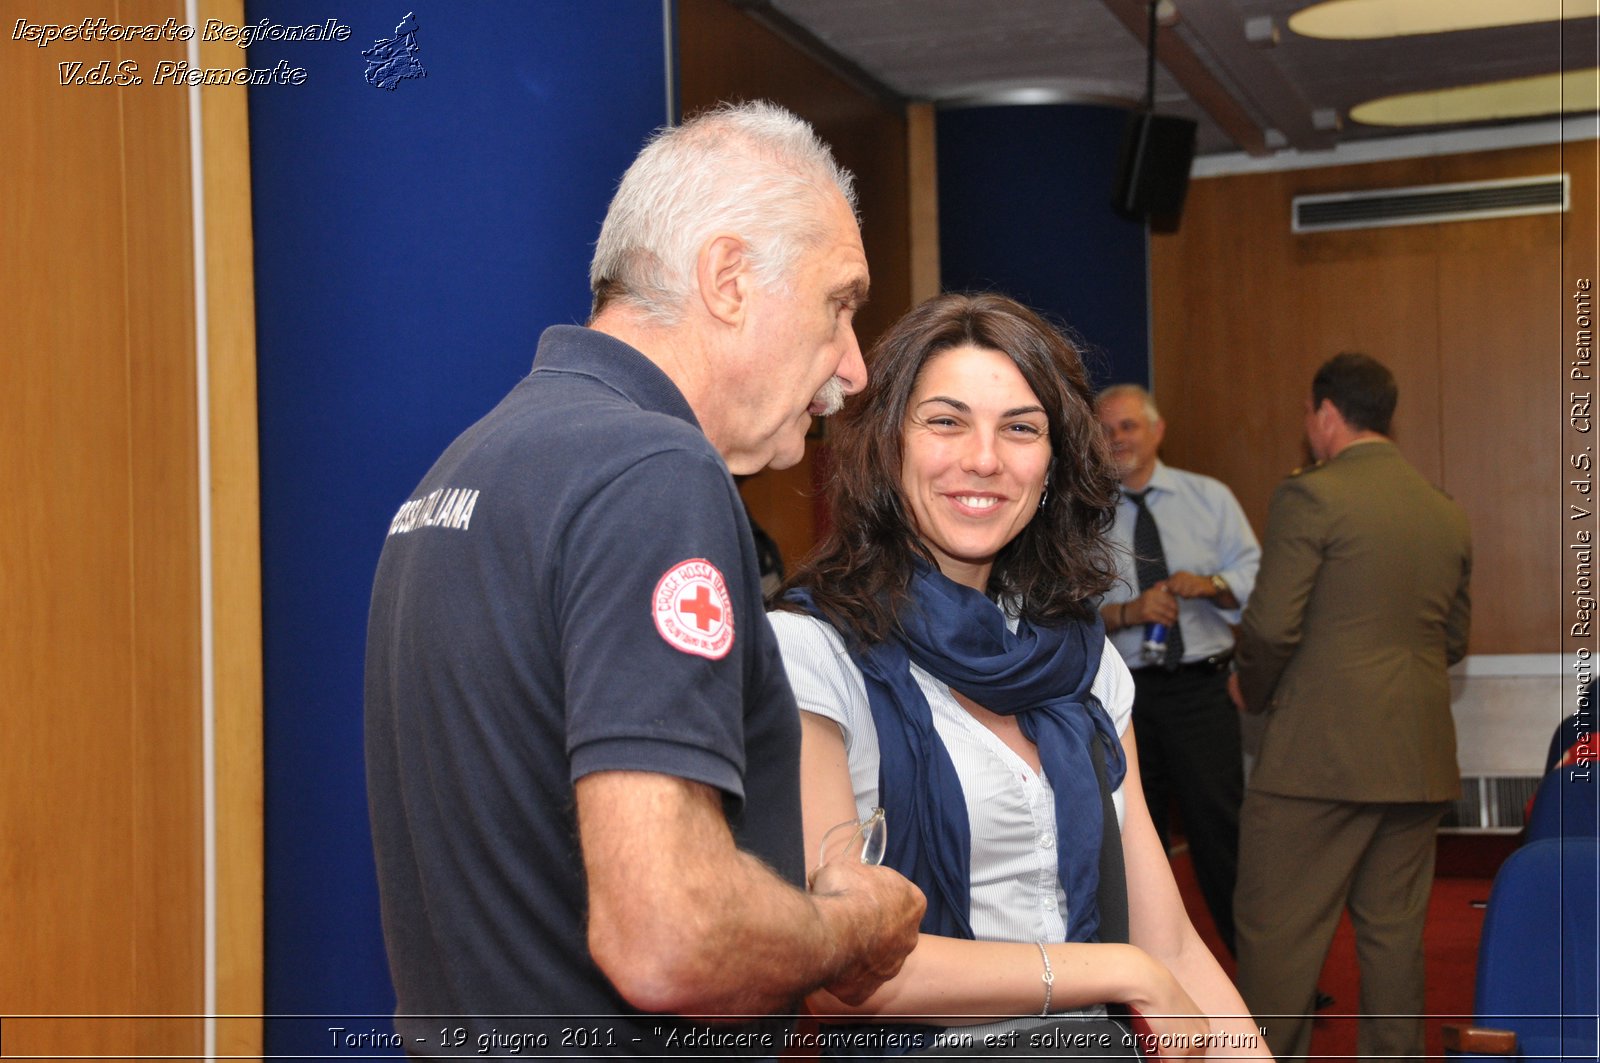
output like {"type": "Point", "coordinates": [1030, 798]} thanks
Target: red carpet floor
{"type": "Point", "coordinates": [1465, 871]}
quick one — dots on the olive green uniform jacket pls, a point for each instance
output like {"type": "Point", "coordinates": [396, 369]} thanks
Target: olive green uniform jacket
{"type": "Point", "coordinates": [1360, 606]}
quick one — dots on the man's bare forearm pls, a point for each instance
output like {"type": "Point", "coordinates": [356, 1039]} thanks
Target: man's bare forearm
{"type": "Point", "coordinates": [682, 921]}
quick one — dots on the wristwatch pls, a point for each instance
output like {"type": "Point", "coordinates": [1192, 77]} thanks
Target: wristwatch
{"type": "Point", "coordinates": [1220, 584]}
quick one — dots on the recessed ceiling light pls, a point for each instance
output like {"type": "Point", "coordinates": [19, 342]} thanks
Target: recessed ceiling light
{"type": "Point", "coordinates": [1574, 91]}
{"type": "Point", "coordinates": [1366, 19]}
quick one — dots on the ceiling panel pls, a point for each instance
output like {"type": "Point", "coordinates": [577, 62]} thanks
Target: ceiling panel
{"type": "Point", "coordinates": [1297, 91]}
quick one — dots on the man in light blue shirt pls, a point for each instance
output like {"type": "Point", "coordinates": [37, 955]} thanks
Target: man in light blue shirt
{"type": "Point", "coordinates": [1187, 562]}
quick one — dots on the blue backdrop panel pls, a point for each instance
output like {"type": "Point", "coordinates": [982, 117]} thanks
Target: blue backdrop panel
{"type": "Point", "coordinates": [1025, 209]}
{"type": "Point", "coordinates": [410, 245]}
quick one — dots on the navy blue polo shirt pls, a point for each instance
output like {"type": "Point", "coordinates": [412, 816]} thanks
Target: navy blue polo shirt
{"type": "Point", "coordinates": [572, 588]}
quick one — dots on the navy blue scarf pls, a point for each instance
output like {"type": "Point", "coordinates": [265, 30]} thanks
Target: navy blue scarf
{"type": "Point", "coordinates": [1040, 675]}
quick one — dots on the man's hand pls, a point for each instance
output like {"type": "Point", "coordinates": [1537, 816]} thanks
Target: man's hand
{"type": "Point", "coordinates": [1189, 585]}
{"type": "Point", "coordinates": [689, 924]}
{"type": "Point", "coordinates": [876, 913]}
{"type": "Point", "coordinates": [1155, 606]}
{"type": "Point", "coordinates": [1235, 693]}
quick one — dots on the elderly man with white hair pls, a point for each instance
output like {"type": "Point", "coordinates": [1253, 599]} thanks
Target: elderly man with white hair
{"type": "Point", "coordinates": [582, 750]}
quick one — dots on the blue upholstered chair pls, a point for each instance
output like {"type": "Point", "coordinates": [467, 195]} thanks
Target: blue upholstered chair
{"type": "Point", "coordinates": [1537, 992]}
{"type": "Point", "coordinates": [1567, 804]}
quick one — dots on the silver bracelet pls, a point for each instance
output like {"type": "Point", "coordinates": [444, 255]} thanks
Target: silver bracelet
{"type": "Point", "coordinates": [1049, 979]}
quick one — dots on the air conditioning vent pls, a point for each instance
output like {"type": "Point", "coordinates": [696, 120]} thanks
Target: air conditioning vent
{"type": "Point", "coordinates": [1425, 204]}
{"type": "Point", "coordinates": [1492, 803]}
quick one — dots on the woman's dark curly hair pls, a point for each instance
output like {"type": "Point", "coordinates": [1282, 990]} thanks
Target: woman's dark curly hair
{"type": "Point", "coordinates": [860, 573]}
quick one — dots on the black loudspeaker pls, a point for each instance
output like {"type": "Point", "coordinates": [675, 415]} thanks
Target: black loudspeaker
{"type": "Point", "coordinates": [1154, 172]}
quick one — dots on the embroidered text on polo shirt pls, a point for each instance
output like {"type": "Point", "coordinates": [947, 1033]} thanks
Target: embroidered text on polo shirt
{"type": "Point", "coordinates": [446, 507]}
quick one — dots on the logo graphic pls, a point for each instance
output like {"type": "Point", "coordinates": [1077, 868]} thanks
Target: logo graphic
{"type": "Point", "coordinates": [393, 59]}
{"type": "Point", "coordinates": [693, 611]}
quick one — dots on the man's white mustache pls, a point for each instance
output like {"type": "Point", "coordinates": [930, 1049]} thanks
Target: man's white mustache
{"type": "Point", "coordinates": [830, 398]}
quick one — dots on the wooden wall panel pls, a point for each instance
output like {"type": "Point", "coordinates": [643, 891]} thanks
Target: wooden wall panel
{"type": "Point", "coordinates": [725, 55]}
{"type": "Point", "coordinates": [236, 549]}
{"type": "Point", "coordinates": [102, 899]}
{"type": "Point", "coordinates": [166, 886]}
{"type": "Point", "coordinates": [1466, 314]}
{"type": "Point", "coordinates": [66, 662]}
{"type": "Point", "coordinates": [1501, 379]}
{"type": "Point", "coordinates": [1580, 275]}
{"type": "Point", "coordinates": [922, 160]}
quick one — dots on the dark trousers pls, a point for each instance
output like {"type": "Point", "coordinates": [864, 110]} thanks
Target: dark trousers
{"type": "Point", "coordinates": [1190, 755]}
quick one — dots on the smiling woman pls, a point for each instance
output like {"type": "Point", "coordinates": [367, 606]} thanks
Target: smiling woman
{"type": "Point", "coordinates": [977, 450]}
{"type": "Point", "coordinates": [956, 371]}
{"type": "Point", "coordinates": [953, 680]}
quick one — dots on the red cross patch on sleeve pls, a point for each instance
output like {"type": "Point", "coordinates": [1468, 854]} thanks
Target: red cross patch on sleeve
{"type": "Point", "coordinates": [692, 609]}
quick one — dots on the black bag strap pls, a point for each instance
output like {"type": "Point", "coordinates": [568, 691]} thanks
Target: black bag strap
{"type": "Point", "coordinates": [1112, 895]}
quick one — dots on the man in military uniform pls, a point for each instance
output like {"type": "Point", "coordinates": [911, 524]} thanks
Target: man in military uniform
{"type": "Point", "coordinates": [1360, 606]}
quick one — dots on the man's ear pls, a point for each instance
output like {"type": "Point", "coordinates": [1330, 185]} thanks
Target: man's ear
{"type": "Point", "coordinates": [722, 274]}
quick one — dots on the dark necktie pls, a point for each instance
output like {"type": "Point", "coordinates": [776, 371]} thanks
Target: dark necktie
{"type": "Point", "coordinates": [1151, 564]}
